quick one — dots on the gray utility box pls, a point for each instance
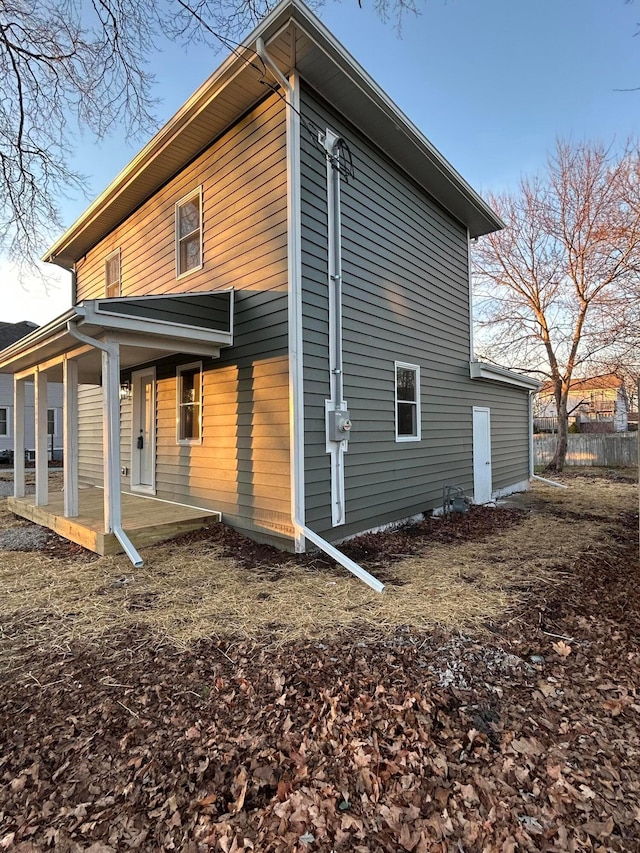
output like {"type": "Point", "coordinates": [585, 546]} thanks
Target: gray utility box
{"type": "Point", "coordinates": [339, 424]}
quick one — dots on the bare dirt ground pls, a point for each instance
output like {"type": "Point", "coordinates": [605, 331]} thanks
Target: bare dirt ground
{"type": "Point", "coordinates": [227, 697]}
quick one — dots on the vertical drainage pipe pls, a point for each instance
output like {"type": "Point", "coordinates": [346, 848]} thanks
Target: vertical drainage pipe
{"type": "Point", "coordinates": [295, 351]}
{"type": "Point", "coordinates": [112, 442]}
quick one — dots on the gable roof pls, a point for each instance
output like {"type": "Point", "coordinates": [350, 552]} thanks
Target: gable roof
{"type": "Point", "coordinates": [12, 332]}
{"type": "Point", "coordinates": [294, 37]}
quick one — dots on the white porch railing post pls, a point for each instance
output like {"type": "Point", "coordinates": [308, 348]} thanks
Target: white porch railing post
{"type": "Point", "coordinates": [18, 438]}
{"type": "Point", "coordinates": [111, 437]}
{"type": "Point", "coordinates": [42, 462]}
{"type": "Point", "coordinates": [70, 442]}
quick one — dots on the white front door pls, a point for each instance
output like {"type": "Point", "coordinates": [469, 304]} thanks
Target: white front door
{"type": "Point", "coordinates": [481, 455]}
{"type": "Point", "coordinates": [143, 431]}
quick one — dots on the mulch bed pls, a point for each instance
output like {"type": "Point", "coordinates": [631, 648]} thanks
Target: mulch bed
{"type": "Point", "coordinates": [523, 738]}
{"type": "Point", "coordinates": [374, 549]}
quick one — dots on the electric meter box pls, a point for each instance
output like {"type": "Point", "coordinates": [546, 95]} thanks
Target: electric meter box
{"type": "Point", "coordinates": [339, 425]}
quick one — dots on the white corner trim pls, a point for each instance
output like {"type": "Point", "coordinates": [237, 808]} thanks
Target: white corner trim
{"type": "Point", "coordinates": [296, 373]}
{"type": "Point", "coordinates": [492, 373]}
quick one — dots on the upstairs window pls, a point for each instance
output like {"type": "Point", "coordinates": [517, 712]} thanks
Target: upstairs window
{"type": "Point", "coordinates": [189, 233]}
{"type": "Point", "coordinates": [407, 402]}
{"type": "Point", "coordinates": [189, 414]}
{"type": "Point", "coordinates": [112, 274]}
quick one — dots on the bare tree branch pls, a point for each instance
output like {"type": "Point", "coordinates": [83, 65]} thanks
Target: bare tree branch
{"type": "Point", "coordinates": [69, 66]}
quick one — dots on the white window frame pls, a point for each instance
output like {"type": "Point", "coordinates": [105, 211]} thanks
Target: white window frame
{"type": "Point", "coordinates": [180, 370]}
{"type": "Point", "coordinates": [8, 413]}
{"type": "Point", "coordinates": [403, 365]}
{"type": "Point", "coordinates": [118, 282]}
{"type": "Point", "coordinates": [180, 273]}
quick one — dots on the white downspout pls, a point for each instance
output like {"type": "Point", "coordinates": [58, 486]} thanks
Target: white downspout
{"type": "Point", "coordinates": [532, 475]}
{"type": "Point", "coordinates": [111, 426]}
{"type": "Point", "coordinates": [296, 417]}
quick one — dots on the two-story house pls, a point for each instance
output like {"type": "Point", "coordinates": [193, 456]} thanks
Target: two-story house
{"type": "Point", "coordinates": [9, 334]}
{"type": "Point", "coordinates": [271, 312]}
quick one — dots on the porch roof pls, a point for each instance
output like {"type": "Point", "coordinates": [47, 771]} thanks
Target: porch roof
{"type": "Point", "coordinates": [146, 327]}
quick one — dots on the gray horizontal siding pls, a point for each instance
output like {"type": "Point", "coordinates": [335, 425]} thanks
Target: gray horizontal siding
{"type": "Point", "coordinates": [209, 311]}
{"type": "Point", "coordinates": [90, 456]}
{"type": "Point", "coordinates": [405, 298]}
{"type": "Point", "coordinates": [509, 431]}
{"type": "Point", "coordinates": [241, 468]}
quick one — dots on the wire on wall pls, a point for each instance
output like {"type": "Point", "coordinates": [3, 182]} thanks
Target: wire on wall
{"type": "Point", "coordinates": [342, 159]}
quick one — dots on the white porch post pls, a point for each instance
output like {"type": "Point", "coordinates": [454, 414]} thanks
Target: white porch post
{"type": "Point", "coordinates": [111, 437]}
{"type": "Point", "coordinates": [42, 462]}
{"type": "Point", "coordinates": [18, 437]}
{"type": "Point", "coordinates": [70, 443]}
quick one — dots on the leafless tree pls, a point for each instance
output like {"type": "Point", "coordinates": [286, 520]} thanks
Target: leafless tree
{"type": "Point", "coordinates": [78, 66]}
{"type": "Point", "coordinates": [557, 289]}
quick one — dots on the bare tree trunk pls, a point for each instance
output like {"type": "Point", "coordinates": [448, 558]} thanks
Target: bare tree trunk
{"type": "Point", "coordinates": [560, 454]}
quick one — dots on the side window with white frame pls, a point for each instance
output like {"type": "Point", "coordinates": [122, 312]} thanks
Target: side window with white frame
{"type": "Point", "coordinates": [112, 275]}
{"type": "Point", "coordinates": [189, 233]}
{"type": "Point", "coordinates": [5, 421]}
{"type": "Point", "coordinates": [189, 415]}
{"type": "Point", "coordinates": [407, 377]}
{"type": "Point", "coordinates": [51, 422]}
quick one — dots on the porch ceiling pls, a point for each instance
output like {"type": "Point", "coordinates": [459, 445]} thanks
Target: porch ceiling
{"type": "Point", "coordinates": [142, 326]}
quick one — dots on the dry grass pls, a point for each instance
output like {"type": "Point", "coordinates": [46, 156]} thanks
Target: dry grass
{"type": "Point", "coordinates": [186, 592]}
{"type": "Point", "coordinates": [589, 493]}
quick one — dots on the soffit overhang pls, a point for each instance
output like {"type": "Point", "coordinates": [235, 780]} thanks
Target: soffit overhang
{"type": "Point", "coordinates": [295, 38]}
{"type": "Point", "coordinates": [493, 373]}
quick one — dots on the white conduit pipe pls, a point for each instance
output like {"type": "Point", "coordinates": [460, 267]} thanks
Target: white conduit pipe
{"type": "Point", "coordinates": [309, 534]}
{"type": "Point", "coordinates": [116, 521]}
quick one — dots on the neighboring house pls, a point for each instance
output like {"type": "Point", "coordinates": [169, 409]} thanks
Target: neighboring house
{"type": "Point", "coordinates": [598, 403]}
{"type": "Point", "coordinates": [9, 334]}
{"type": "Point", "coordinates": [278, 289]}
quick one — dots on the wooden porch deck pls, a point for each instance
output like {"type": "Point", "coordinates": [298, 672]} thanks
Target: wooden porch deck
{"type": "Point", "coordinates": [145, 520]}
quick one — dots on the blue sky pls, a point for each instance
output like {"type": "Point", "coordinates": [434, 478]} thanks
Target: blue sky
{"type": "Point", "coordinates": [492, 84]}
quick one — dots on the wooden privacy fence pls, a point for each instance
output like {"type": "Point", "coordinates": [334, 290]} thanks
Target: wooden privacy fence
{"type": "Point", "coordinates": [611, 450]}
